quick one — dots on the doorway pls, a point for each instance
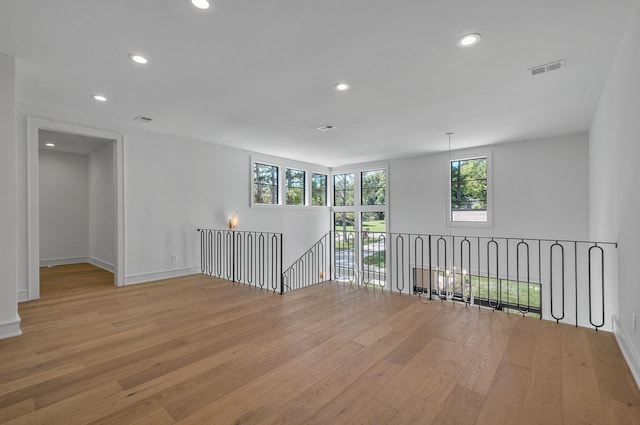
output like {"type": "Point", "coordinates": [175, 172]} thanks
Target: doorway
{"type": "Point", "coordinates": [75, 201]}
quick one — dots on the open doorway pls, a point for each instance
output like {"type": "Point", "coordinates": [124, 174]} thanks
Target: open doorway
{"type": "Point", "coordinates": [75, 201]}
{"type": "Point", "coordinates": [77, 209]}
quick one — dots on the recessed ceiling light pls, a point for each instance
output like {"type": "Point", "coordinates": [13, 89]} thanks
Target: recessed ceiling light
{"type": "Point", "coordinates": [342, 87]}
{"type": "Point", "coordinates": [469, 40]}
{"type": "Point", "coordinates": [201, 4]}
{"type": "Point", "coordinates": [51, 145]}
{"type": "Point", "coordinates": [99, 98]}
{"type": "Point", "coordinates": [138, 59]}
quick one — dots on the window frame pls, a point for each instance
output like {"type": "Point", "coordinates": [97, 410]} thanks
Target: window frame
{"type": "Point", "coordinates": [386, 188]}
{"type": "Point", "coordinates": [253, 183]}
{"type": "Point", "coordinates": [282, 165]}
{"type": "Point", "coordinates": [333, 184]}
{"type": "Point", "coordinates": [358, 208]}
{"type": "Point", "coordinates": [464, 156]}
{"type": "Point", "coordinates": [326, 189]}
{"type": "Point", "coordinates": [287, 186]}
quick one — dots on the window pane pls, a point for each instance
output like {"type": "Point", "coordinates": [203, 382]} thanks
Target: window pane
{"type": "Point", "coordinates": [469, 190]}
{"type": "Point", "coordinates": [295, 184]}
{"type": "Point", "coordinates": [265, 184]}
{"type": "Point", "coordinates": [374, 252]}
{"type": "Point", "coordinates": [318, 189]}
{"type": "Point", "coordinates": [343, 189]}
{"type": "Point", "coordinates": [345, 239]}
{"type": "Point", "coordinates": [373, 222]}
{"type": "Point", "coordinates": [374, 187]}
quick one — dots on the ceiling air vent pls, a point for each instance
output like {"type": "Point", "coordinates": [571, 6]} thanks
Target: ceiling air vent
{"type": "Point", "coordinates": [326, 127]}
{"type": "Point", "coordinates": [548, 67]}
{"type": "Point", "coordinates": [143, 119]}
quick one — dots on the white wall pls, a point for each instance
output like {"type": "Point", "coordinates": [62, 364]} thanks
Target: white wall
{"type": "Point", "coordinates": [615, 200]}
{"type": "Point", "coordinates": [9, 319]}
{"type": "Point", "coordinates": [540, 190]}
{"type": "Point", "coordinates": [64, 207]}
{"type": "Point", "coordinates": [174, 185]}
{"type": "Point", "coordinates": [102, 207]}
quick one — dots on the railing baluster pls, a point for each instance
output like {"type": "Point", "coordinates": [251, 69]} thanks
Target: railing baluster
{"type": "Point", "coordinates": [496, 305]}
{"type": "Point", "coordinates": [415, 265]}
{"type": "Point", "coordinates": [520, 309]}
{"type": "Point", "coordinates": [596, 248]}
{"type": "Point", "coordinates": [551, 289]}
{"type": "Point", "coordinates": [399, 263]}
{"type": "Point", "coordinates": [464, 273]}
{"type": "Point", "coordinates": [443, 284]}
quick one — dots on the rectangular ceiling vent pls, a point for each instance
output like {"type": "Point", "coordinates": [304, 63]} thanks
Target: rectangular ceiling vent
{"type": "Point", "coordinates": [143, 119]}
{"type": "Point", "coordinates": [548, 67]}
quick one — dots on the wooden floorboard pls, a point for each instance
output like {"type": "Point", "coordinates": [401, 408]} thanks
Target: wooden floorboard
{"type": "Point", "coordinates": [199, 350]}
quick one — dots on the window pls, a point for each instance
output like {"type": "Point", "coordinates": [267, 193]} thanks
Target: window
{"type": "Point", "coordinates": [343, 189]}
{"type": "Point", "coordinates": [265, 184]}
{"type": "Point", "coordinates": [469, 190]}
{"type": "Point", "coordinates": [318, 189]}
{"type": "Point", "coordinates": [374, 187]}
{"type": "Point", "coordinates": [295, 182]}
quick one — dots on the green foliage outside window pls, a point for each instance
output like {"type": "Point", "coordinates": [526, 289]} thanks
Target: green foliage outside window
{"type": "Point", "coordinates": [295, 182]}
{"type": "Point", "coordinates": [374, 185]}
{"type": "Point", "coordinates": [469, 184]}
{"type": "Point", "coordinates": [318, 189]}
{"type": "Point", "coordinates": [343, 189]}
{"type": "Point", "coordinates": [265, 184]}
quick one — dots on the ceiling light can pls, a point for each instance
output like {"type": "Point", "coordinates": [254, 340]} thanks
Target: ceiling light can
{"type": "Point", "coordinates": [138, 59]}
{"type": "Point", "coordinates": [469, 40]}
{"type": "Point", "coordinates": [99, 98]}
{"type": "Point", "coordinates": [341, 87]}
{"type": "Point", "coordinates": [201, 4]}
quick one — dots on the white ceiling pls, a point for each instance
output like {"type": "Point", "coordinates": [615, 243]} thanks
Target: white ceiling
{"type": "Point", "coordinates": [258, 74]}
{"type": "Point", "coordinates": [71, 143]}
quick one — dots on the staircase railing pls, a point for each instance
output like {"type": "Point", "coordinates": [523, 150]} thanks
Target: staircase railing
{"type": "Point", "coordinates": [562, 280]}
{"type": "Point", "coordinates": [567, 281]}
{"type": "Point", "coordinates": [314, 266]}
{"type": "Point", "coordinates": [251, 258]}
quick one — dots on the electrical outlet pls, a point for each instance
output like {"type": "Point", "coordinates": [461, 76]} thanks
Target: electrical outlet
{"type": "Point", "coordinates": [174, 258]}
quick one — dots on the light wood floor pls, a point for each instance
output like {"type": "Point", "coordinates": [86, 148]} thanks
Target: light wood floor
{"type": "Point", "coordinates": [197, 350]}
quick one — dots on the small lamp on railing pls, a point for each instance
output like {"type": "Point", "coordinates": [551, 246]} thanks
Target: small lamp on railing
{"type": "Point", "coordinates": [233, 221]}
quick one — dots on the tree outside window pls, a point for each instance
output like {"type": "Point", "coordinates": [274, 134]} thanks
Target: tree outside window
{"type": "Point", "coordinates": [319, 189]}
{"type": "Point", "coordinates": [469, 190]}
{"type": "Point", "coordinates": [265, 184]}
{"type": "Point", "coordinates": [295, 183]}
{"type": "Point", "coordinates": [374, 187]}
{"type": "Point", "coordinates": [343, 189]}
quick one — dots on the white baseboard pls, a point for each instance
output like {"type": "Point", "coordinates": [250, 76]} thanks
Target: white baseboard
{"type": "Point", "coordinates": [628, 350]}
{"type": "Point", "coordinates": [102, 264]}
{"type": "Point", "coordinates": [63, 261]}
{"type": "Point", "coordinates": [151, 277]}
{"type": "Point", "coordinates": [23, 296]}
{"type": "Point", "coordinates": [10, 329]}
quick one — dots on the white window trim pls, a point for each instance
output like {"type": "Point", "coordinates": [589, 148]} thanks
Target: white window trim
{"type": "Point", "coordinates": [462, 155]}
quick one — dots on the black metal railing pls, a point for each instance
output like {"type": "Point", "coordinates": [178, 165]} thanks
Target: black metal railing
{"type": "Point", "coordinates": [314, 266]}
{"type": "Point", "coordinates": [566, 281]}
{"type": "Point", "coordinates": [561, 280]}
{"type": "Point", "coordinates": [252, 258]}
